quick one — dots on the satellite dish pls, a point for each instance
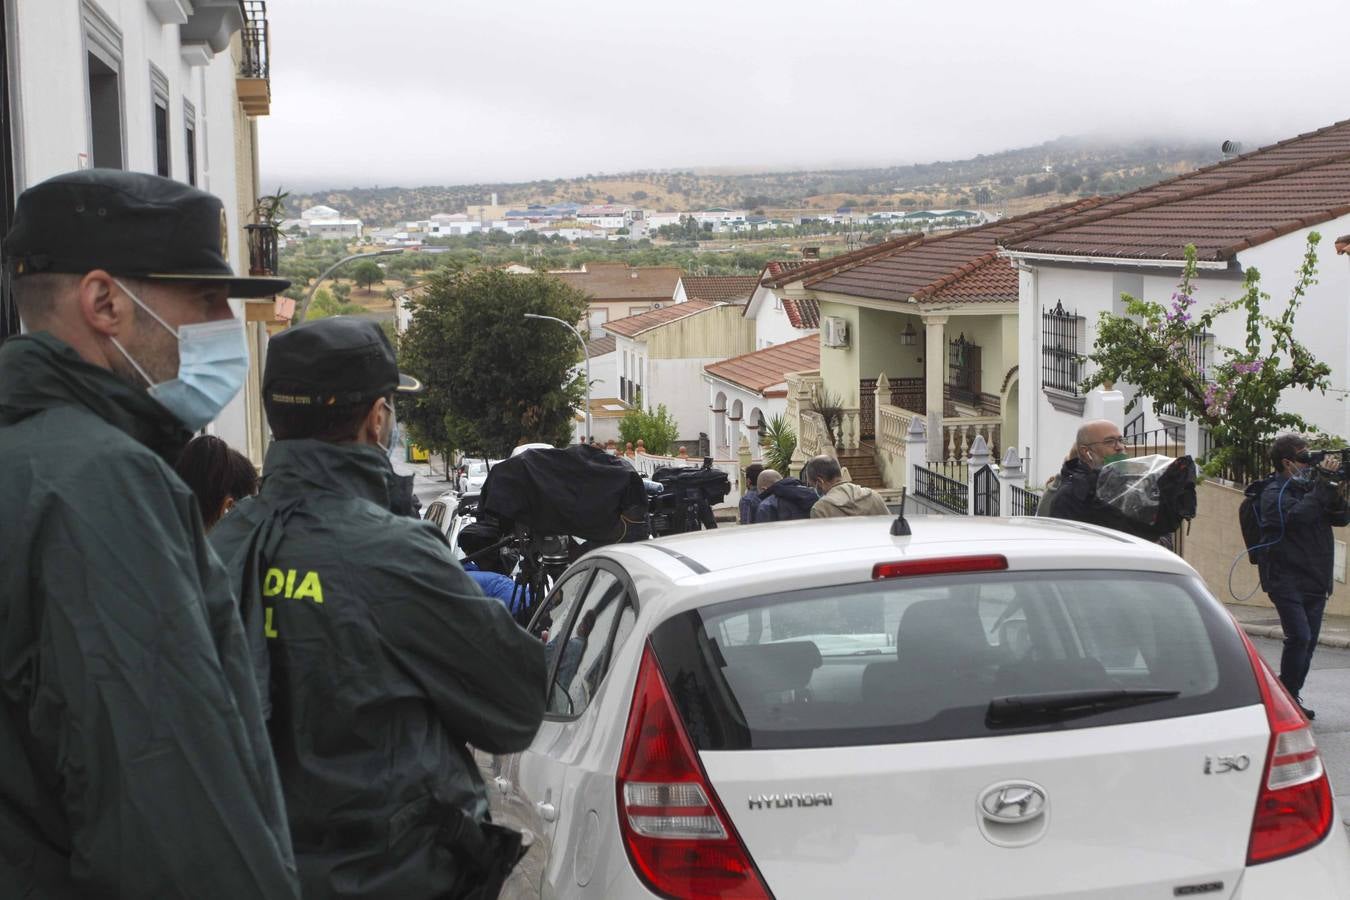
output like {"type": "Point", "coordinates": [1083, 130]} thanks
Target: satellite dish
{"type": "Point", "coordinates": [1231, 148]}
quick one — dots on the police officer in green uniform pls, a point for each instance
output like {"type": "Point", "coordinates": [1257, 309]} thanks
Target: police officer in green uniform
{"type": "Point", "coordinates": [385, 659]}
{"type": "Point", "coordinates": [134, 759]}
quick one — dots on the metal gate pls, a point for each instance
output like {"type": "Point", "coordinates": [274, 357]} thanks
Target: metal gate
{"type": "Point", "coordinates": [986, 492]}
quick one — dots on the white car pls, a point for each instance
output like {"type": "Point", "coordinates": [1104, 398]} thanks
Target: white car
{"type": "Point", "coordinates": [984, 709]}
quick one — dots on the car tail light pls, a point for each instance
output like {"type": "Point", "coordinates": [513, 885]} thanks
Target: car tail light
{"type": "Point", "coordinates": [1293, 810]}
{"type": "Point", "coordinates": [679, 838]}
{"type": "Point", "coordinates": [942, 565]}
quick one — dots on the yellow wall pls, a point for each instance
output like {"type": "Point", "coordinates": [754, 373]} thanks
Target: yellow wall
{"type": "Point", "coordinates": [721, 332]}
{"type": "Point", "coordinates": [840, 366]}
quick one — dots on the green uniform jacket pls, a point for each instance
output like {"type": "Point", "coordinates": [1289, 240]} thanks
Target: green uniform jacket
{"type": "Point", "coordinates": [385, 659]}
{"type": "Point", "coordinates": [133, 754]}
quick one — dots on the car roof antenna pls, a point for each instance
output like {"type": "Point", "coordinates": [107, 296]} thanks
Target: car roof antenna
{"type": "Point", "coordinates": [900, 527]}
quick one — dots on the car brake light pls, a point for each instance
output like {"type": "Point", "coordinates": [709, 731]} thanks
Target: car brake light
{"type": "Point", "coordinates": [678, 837]}
{"type": "Point", "coordinates": [1293, 810]}
{"type": "Point", "coordinates": [943, 565]}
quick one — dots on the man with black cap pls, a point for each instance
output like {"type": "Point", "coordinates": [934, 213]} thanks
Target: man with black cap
{"type": "Point", "coordinates": [134, 759]}
{"type": "Point", "coordinates": [385, 659]}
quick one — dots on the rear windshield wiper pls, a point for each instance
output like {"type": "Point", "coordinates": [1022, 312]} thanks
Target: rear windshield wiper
{"type": "Point", "coordinates": [1028, 708]}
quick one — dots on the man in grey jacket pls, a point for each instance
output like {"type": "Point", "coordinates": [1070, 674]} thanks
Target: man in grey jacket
{"type": "Point", "coordinates": [837, 496]}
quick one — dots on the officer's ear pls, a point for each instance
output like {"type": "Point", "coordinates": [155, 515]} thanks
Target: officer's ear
{"type": "Point", "coordinates": [374, 426]}
{"type": "Point", "coordinates": [102, 306]}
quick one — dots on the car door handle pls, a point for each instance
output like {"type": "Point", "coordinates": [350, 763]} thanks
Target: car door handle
{"type": "Point", "coordinates": [547, 811]}
{"type": "Point", "coordinates": [503, 784]}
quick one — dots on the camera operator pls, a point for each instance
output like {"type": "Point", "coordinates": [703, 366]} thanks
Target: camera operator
{"type": "Point", "coordinates": [1299, 507]}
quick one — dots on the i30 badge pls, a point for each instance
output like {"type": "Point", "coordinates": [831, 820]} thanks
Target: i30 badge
{"type": "Point", "coordinates": [1013, 802]}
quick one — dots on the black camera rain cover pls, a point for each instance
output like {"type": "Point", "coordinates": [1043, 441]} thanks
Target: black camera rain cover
{"type": "Point", "coordinates": [580, 490]}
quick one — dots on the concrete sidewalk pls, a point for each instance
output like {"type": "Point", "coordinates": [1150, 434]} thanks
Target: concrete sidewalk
{"type": "Point", "coordinates": [1262, 621]}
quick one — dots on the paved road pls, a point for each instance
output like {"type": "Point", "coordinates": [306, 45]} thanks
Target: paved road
{"type": "Point", "coordinates": [1328, 693]}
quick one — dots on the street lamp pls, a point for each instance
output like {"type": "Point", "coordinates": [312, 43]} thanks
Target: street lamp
{"type": "Point", "coordinates": [584, 355]}
{"type": "Point", "coordinates": [304, 304]}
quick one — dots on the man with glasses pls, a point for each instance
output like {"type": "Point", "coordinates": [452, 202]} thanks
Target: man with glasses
{"type": "Point", "coordinates": [1099, 443]}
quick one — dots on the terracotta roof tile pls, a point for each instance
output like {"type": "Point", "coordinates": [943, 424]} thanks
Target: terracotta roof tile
{"type": "Point", "coordinates": [620, 282]}
{"type": "Point", "coordinates": [938, 262]}
{"type": "Point", "coordinates": [803, 313]}
{"type": "Point", "coordinates": [817, 268]}
{"type": "Point", "coordinates": [632, 326]}
{"type": "Point", "coordinates": [1222, 209]}
{"type": "Point", "coordinates": [766, 369]}
{"type": "Point", "coordinates": [730, 288]}
{"type": "Point", "coordinates": [775, 268]}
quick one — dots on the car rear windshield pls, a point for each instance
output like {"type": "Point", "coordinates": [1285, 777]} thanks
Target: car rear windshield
{"type": "Point", "coordinates": [926, 659]}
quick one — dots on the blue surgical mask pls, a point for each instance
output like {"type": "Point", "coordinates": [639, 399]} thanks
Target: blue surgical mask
{"type": "Point", "coordinates": [1304, 474]}
{"type": "Point", "coordinates": [212, 366]}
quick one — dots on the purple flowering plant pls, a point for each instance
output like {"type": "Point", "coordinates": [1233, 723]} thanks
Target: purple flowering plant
{"type": "Point", "coordinates": [1165, 350]}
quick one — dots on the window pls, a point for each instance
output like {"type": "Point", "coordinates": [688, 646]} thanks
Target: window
{"type": "Point", "coordinates": [602, 616]}
{"type": "Point", "coordinates": [964, 371]}
{"type": "Point", "coordinates": [159, 107]}
{"type": "Point", "coordinates": [924, 659]}
{"type": "Point", "coordinates": [190, 141]}
{"type": "Point", "coordinates": [103, 62]}
{"type": "Point", "coordinates": [1061, 349]}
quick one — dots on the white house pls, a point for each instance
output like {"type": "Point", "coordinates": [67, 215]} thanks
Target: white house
{"type": "Point", "coordinates": [606, 407]}
{"type": "Point", "coordinates": [609, 216]}
{"type": "Point", "coordinates": [160, 86]}
{"type": "Point", "coordinates": [746, 391]}
{"type": "Point", "coordinates": [1251, 212]}
{"type": "Point", "coordinates": [778, 319]}
{"type": "Point", "coordinates": [662, 353]}
{"type": "Point", "coordinates": [329, 224]}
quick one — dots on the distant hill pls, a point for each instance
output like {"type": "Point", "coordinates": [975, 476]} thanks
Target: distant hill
{"type": "Point", "coordinates": [1013, 179]}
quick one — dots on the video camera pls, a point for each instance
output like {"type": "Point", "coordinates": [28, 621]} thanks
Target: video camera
{"type": "Point", "coordinates": [1317, 457]}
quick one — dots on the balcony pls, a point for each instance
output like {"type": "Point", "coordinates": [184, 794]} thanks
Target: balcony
{"type": "Point", "coordinates": [254, 84]}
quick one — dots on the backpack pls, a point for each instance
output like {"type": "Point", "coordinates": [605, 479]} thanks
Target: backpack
{"type": "Point", "coordinates": [1249, 518]}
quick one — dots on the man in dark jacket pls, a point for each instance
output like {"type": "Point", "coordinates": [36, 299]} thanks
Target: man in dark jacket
{"type": "Point", "coordinates": [750, 499]}
{"type": "Point", "coordinates": [783, 499]}
{"type": "Point", "coordinates": [134, 759]}
{"type": "Point", "coordinates": [1098, 443]}
{"type": "Point", "coordinates": [1298, 511]}
{"type": "Point", "coordinates": [385, 658]}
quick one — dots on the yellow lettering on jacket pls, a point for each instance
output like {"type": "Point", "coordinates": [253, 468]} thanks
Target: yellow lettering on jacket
{"type": "Point", "coordinates": [273, 582]}
{"type": "Point", "coordinates": [310, 588]}
{"type": "Point", "coordinates": [278, 582]}
{"type": "Point", "coordinates": [268, 628]}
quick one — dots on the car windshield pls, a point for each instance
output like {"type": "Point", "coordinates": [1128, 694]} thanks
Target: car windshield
{"type": "Point", "coordinates": [951, 657]}
{"type": "Point", "coordinates": [476, 467]}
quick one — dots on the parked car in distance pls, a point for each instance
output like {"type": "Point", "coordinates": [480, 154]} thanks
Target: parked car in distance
{"type": "Point", "coordinates": [984, 708]}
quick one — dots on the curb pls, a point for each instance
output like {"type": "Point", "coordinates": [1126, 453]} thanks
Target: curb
{"type": "Point", "coordinates": [1274, 631]}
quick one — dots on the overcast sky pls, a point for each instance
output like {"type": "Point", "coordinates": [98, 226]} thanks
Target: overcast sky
{"type": "Point", "coordinates": [423, 92]}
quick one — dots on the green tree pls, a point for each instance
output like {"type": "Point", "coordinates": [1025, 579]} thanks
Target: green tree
{"type": "Point", "coordinates": [367, 273]}
{"type": "Point", "coordinates": [343, 292]}
{"type": "Point", "coordinates": [1237, 399]}
{"type": "Point", "coordinates": [779, 442]}
{"type": "Point", "coordinates": [493, 378]}
{"type": "Point", "coordinates": [657, 430]}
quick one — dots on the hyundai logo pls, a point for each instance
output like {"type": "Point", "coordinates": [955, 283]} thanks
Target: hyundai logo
{"type": "Point", "coordinates": [1013, 802]}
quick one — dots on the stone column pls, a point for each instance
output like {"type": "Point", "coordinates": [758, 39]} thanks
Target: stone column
{"type": "Point", "coordinates": [1011, 474]}
{"type": "Point", "coordinates": [916, 453]}
{"type": "Point", "coordinates": [733, 437]}
{"type": "Point", "coordinates": [935, 376]}
{"type": "Point", "coordinates": [752, 435]}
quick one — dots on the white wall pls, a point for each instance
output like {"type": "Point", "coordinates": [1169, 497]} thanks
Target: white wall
{"type": "Point", "coordinates": [772, 325]}
{"type": "Point", "coordinates": [679, 384]}
{"type": "Point", "coordinates": [604, 375]}
{"type": "Point", "coordinates": [1323, 325]}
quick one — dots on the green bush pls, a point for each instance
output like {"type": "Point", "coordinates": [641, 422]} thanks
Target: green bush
{"type": "Point", "coordinates": [657, 430]}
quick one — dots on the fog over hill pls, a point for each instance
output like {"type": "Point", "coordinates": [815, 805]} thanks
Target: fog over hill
{"type": "Point", "coordinates": [1066, 166]}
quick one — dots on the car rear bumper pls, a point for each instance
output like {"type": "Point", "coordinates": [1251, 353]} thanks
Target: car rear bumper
{"type": "Point", "coordinates": [1322, 872]}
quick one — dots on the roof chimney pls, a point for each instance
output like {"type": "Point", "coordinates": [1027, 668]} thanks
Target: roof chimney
{"type": "Point", "coordinates": [1230, 149]}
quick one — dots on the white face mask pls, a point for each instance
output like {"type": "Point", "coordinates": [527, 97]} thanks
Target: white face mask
{"type": "Point", "coordinates": [393, 432]}
{"type": "Point", "coordinates": [212, 366]}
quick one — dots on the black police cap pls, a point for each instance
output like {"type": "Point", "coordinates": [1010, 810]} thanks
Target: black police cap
{"type": "Point", "coordinates": [332, 362]}
{"type": "Point", "coordinates": [129, 224]}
